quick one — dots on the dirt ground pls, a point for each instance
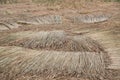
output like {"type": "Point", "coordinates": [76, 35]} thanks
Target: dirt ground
{"type": "Point", "coordinates": [107, 32]}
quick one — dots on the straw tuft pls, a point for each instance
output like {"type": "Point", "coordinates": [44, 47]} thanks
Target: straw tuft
{"type": "Point", "coordinates": [16, 61]}
{"type": "Point", "coordinates": [52, 40]}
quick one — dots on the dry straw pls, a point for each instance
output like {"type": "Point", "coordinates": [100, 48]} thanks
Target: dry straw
{"type": "Point", "coordinates": [16, 61]}
{"type": "Point", "coordinates": [45, 19]}
{"type": "Point", "coordinates": [60, 54]}
{"type": "Point", "coordinates": [52, 40]}
{"type": "Point", "coordinates": [91, 18]}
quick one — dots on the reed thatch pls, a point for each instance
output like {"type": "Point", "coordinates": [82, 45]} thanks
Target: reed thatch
{"type": "Point", "coordinates": [91, 18]}
{"type": "Point", "coordinates": [16, 61]}
{"type": "Point", "coordinates": [44, 19]}
{"type": "Point", "coordinates": [36, 20]}
{"type": "Point", "coordinates": [55, 40]}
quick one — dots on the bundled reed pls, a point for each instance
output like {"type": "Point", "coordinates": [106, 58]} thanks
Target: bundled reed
{"type": "Point", "coordinates": [59, 54]}
{"type": "Point", "coordinates": [91, 18]}
{"type": "Point", "coordinates": [52, 40]}
{"type": "Point", "coordinates": [16, 61]}
{"type": "Point", "coordinates": [44, 19]}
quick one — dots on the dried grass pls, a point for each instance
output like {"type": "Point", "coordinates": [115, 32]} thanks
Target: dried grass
{"type": "Point", "coordinates": [91, 18]}
{"type": "Point", "coordinates": [44, 19]}
{"type": "Point", "coordinates": [16, 61]}
{"type": "Point", "coordinates": [76, 56]}
{"type": "Point", "coordinates": [52, 40]}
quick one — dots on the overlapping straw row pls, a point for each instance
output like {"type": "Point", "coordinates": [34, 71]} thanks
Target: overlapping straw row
{"type": "Point", "coordinates": [16, 61]}
{"type": "Point", "coordinates": [53, 19]}
{"type": "Point", "coordinates": [59, 54]}
{"type": "Point", "coordinates": [38, 20]}
{"type": "Point", "coordinates": [55, 40]}
{"type": "Point", "coordinates": [91, 18]}
{"type": "Point", "coordinates": [46, 19]}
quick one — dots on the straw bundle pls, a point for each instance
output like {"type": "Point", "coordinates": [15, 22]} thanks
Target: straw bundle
{"type": "Point", "coordinates": [38, 20]}
{"type": "Point", "coordinates": [91, 18]}
{"type": "Point", "coordinates": [16, 61]}
{"type": "Point", "coordinates": [52, 40]}
{"type": "Point", "coordinates": [84, 56]}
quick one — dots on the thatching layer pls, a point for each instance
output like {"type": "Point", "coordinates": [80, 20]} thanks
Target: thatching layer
{"type": "Point", "coordinates": [52, 40]}
{"type": "Point", "coordinates": [36, 20]}
{"type": "Point", "coordinates": [15, 61]}
{"type": "Point", "coordinates": [91, 18]}
{"type": "Point", "coordinates": [46, 19]}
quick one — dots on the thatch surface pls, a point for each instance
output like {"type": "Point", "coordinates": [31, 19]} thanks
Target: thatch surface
{"type": "Point", "coordinates": [45, 19]}
{"type": "Point", "coordinates": [52, 40]}
{"type": "Point", "coordinates": [84, 55]}
{"type": "Point", "coordinates": [15, 61]}
{"type": "Point", "coordinates": [35, 20]}
{"type": "Point", "coordinates": [91, 18]}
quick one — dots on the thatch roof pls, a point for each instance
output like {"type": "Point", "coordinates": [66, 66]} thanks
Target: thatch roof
{"type": "Point", "coordinates": [44, 19]}
{"type": "Point", "coordinates": [52, 40]}
{"type": "Point", "coordinates": [58, 53]}
{"type": "Point", "coordinates": [16, 61]}
{"type": "Point", "coordinates": [91, 18]}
